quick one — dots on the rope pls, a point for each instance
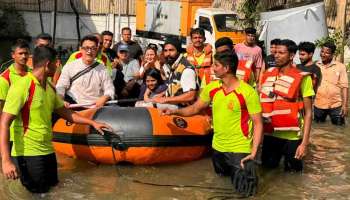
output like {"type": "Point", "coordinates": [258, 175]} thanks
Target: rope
{"type": "Point", "coordinates": [158, 184]}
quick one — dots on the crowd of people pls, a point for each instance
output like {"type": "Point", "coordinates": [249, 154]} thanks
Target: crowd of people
{"type": "Point", "coordinates": [257, 103]}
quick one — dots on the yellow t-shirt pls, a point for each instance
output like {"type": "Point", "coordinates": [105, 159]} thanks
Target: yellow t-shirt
{"type": "Point", "coordinates": [232, 124]}
{"type": "Point", "coordinates": [33, 106]}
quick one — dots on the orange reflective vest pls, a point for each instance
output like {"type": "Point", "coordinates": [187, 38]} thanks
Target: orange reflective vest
{"type": "Point", "coordinates": [244, 70]}
{"type": "Point", "coordinates": [203, 69]}
{"type": "Point", "coordinates": [279, 99]}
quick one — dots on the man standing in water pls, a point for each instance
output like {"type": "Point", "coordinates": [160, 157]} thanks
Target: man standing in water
{"type": "Point", "coordinates": [286, 100]}
{"type": "Point", "coordinates": [236, 119]}
{"type": "Point", "coordinates": [29, 104]}
{"type": "Point", "coordinates": [306, 52]}
{"type": "Point", "coordinates": [20, 54]}
{"type": "Point", "coordinates": [332, 94]}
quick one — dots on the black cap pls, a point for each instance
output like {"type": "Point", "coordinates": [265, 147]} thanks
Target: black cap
{"type": "Point", "coordinates": [175, 42]}
{"type": "Point", "coordinates": [224, 41]}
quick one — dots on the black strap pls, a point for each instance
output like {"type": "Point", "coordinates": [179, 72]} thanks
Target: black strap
{"type": "Point", "coordinates": [82, 72]}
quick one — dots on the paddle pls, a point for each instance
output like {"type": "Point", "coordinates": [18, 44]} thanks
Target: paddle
{"type": "Point", "coordinates": [79, 105]}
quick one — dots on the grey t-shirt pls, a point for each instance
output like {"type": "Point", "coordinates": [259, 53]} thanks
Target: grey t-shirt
{"type": "Point", "coordinates": [130, 69]}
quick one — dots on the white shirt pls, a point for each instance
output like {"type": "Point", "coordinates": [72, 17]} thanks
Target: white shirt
{"type": "Point", "coordinates": [88, 87]}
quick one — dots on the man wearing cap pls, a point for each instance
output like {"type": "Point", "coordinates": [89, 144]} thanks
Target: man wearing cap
{"type": "Point", "coordinates": [126, 74]}
{"type": "Point", "coordinates": [181, 76]}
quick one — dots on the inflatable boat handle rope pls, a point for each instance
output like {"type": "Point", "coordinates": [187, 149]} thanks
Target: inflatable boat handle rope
{"type": "Point", "coordinates": [78, 105]}
{"type": "Point", "coordinates": [114, 146]}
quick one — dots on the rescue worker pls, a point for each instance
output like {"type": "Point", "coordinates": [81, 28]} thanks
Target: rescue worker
{"type": "Point", "coordinates": [45, 39]}
{"type": "Point", "coordinates": [285, 96]}
{"type": "Point", "coordinates": [17, 70]}
{"type": "Point", "coordinates": [107, 40]}
{"type": "Point", "coordinates": [237, 123]}
{"type": "Point", "coordinates": [20, 55]}
{"type": "Point", "coordinates": [181, 76]}
{"type": "Point", "coordinates": [199, 54]}
{"type": "Point", "coordinates": [245, 67]}
{"type": "Point", "coordinates": [250, 51]}
{"type": "Point", "coordinates": [29, 105]}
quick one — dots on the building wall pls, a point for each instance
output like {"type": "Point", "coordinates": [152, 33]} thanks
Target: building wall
{"type": "Point", "coordinates": [66, 28]}
{"type": "Point", "coordinates": [127, 7]}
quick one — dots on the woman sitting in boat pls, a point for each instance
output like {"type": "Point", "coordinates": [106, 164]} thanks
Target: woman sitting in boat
{"type": "Point", "coordinates": [153, 86]}
{"type": "Point", "coordinates": [151, 60]}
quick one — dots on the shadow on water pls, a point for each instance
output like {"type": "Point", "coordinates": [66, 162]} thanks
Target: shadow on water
{"type": "Point", "coordinates": [326, 176]}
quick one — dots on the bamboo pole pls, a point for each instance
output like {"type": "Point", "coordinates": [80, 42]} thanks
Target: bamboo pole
{"type": "Point", "coordinates": [341, 23]}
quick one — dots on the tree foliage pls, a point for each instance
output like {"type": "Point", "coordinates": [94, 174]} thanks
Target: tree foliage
{"type": "Point", "coordinates": [250, 11]}
{"type": "Point", "coordinates": [12, 24]}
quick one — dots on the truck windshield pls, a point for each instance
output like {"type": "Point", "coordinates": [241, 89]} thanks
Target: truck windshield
{"type": "Point", "coordinates": [226, 22]}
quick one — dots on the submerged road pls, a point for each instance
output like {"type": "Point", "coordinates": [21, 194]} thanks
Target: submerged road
{"type": "Point", "coordinates": [326, 176]}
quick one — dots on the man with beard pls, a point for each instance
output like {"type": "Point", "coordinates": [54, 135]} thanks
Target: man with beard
{"type": "Point", "coordinates": [199, 54]}
{"type": "Point", "coordinates": [287, 110]}
{"type": "Point", "coordinates": [332, 93]}
{"type": "Point", "coordinates": [306, 52]}
{"type": "Point", "coordinates": [180, 74]}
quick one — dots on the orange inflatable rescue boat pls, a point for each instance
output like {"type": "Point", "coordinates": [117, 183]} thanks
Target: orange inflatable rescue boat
{"type": "Point", "coordinates": [140, 136]}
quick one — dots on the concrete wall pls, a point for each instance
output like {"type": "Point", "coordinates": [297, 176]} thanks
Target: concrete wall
{"type": "Point", "coordinates": [66, 32]}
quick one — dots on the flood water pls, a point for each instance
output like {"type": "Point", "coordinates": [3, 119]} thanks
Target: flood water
{"type": "Point", "coordinates": [326, 176]}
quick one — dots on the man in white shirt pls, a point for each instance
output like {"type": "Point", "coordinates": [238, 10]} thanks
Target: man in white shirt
{"type": "Point", "coordinates": [94, 86]}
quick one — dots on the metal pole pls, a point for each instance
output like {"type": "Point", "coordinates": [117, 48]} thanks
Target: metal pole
{"type": "Point", "coordinates": [127, 12]}
{"type": "Point", "coordinates": [119, 19]}
{"type": "Point", "coordinates": [76, 20]}
{"type": "Point", "coordinates": [41, 16]}
{"type": "Point", "coordinates": [54, 23]}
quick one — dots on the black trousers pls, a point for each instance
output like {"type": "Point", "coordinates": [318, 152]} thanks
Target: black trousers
{"type": "Point", "coordinates": [37, 173]}
{"type": "Point", "coordinates": [320, 115]}
{"type": "Point", "coordinates": [226, 163]}
{"type": "Point", "coordinates": [275, 148]}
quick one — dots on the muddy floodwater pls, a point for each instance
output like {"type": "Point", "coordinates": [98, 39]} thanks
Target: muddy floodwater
{"type": "Point", "coordinates": [326, 176]}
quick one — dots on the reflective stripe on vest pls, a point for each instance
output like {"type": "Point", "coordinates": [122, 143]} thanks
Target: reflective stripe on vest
{"type": "Point", "coordinates": [174, 88]}
{"type": "Point", "coordinates": [244, 70]}
{"type": "Point", "coordinates": [207, 61]}
{"type": "Point", "coordinates": [26, 107]}
{"type": "Point", "coordinates": [278, 112]}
